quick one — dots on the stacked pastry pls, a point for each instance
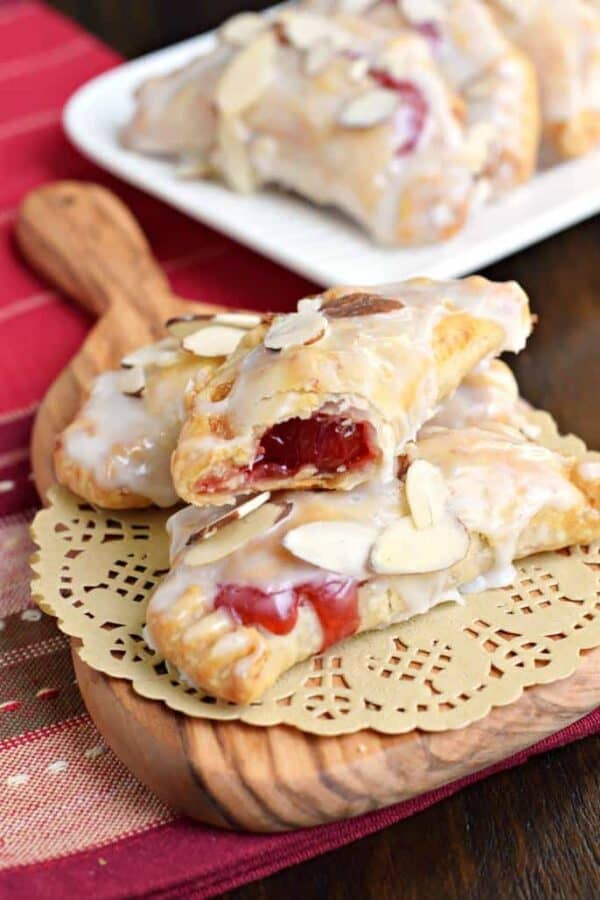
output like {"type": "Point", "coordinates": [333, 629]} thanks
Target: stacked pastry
{"type": "Point", "coordinates": [346, 466]}
{"type": "Point", "coordinates": [404, 115]}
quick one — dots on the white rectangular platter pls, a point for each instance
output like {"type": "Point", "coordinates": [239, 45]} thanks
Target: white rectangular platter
{"type": "Point", "coordinates": [315, 242]}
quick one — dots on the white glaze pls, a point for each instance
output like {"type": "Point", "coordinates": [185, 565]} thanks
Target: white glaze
{"type": "Point", "coordinates": [377, 354]}
{"type": "Point", "coordinates": [126, 442]}
{"type": "Point", "coordinates": [497, 482]}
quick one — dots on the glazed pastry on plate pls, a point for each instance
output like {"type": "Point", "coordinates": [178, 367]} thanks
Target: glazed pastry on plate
{"type": "Point", "coordinates": [327, 397]}
{"type": "Point", "coordinates": [338, 110]}
{"type": "Point", "coordinates": [562, 38]}
{"type": "Point", "coordinates": [255, 589]}
{"type": "Point", "coordinates": [116, 453]}
{"type": "Point", "coordinates": [496, 82]}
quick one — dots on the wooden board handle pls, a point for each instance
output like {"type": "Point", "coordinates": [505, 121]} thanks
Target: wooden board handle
{"type": "Point", "coordinates": [84, 240]}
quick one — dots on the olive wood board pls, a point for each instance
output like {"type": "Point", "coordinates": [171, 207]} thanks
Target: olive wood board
{"type": "Point", "coordinates": [82, 239]}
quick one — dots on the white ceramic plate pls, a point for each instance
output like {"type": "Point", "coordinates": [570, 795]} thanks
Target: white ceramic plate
{"type": "Point", "coordinates": [315, 242]}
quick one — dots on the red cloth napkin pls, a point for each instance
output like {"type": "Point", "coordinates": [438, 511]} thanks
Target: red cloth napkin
{"type": "Point", "coordinates": [73, 821]}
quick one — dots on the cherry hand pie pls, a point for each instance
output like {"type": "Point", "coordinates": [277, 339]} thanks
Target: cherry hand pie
{"type": "Point", "coordinates": [338, 110]}
{"type": "Point", "coordinates": [117, 451]}
{"type": "Point", "coordinates": [258, 587]}
{"type": "Point", "coordinates": [495, 81]}
{"type": "Point", "coordinates": [562, 38]}
{"type": "Point", "coordinates": [328, 397]}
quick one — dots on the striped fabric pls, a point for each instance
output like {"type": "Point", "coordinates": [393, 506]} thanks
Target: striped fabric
{"type": "Point", "coordinates": [72, 818]}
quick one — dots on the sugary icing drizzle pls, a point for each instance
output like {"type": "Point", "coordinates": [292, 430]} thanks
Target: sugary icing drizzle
{"type": "Point", "coordinates": [378, 368]}
{"type": "Point", "coordinates": [497, 480]}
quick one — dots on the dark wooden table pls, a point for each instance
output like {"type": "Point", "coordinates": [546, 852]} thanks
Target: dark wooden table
{"type": "Point", "coordinates": [532, 832]}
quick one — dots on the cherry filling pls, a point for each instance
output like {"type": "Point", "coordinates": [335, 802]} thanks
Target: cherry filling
{"type": "Point", "coordinates": [412, 111]}
{"type": "Point", "coordinates": [329, 443]}
{"type": "Point", "coordinates": [432, 34]}
{"type": "Point", "coordinates": [335, 602]}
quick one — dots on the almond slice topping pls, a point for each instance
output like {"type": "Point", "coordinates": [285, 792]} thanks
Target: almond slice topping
{"type": "Point", "coordinates": [162, 353]}
{"type": "Point", "coordinates": [247, 75]}
{"type": "Point", "coordinates": [234, 535]}
{"type": "Point", "coordinates": [181, 326]}
{"type": "Point", "coordinates": [310, 304]}
{"type": "Point", "coordinates": [243, 28]}
{"type": "Point", "coordinates": [132, 381]}
{"type": "Point", "coordinates": [296, 329]}
{"type": "Point", "coordinates": [341, 547]}
{"type": "Point", "coordinates": [404, 549]}
{"type": "Point", "coordinates": [359, 304]}
{"type": "Point", "coordinates": [213, 340]}
{"type": "Point", "coordinates": [305, 29]}
{"type": "Point", "coordinates": [233, 157]}
{"type": "Point", "coordinates": [421, 11]}
{"type": "Point", "coordinates": [319, 57]}
{"type": "Point", "coordinates": [222, 515]}
{"type": "Point", "coordinates": [426, 492]}
{"type": "Point", "coordinates": [369, 108]}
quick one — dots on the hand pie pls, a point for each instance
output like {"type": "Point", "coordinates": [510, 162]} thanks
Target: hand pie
{"type": "Point", "coordinates": [495, 81]}
{"type": "Point", "coordinates": [255, 589]}
{"type": "Point", "coordinates": [117, 451]}
{"type": "Point", "coordinates": [489, 395]}
{"type": "Point", "coordinates": [562, 38]}
{"type": "Point", "coordinates": [335, 109]}
{"type": "Point", "coordinates": [328, 397]}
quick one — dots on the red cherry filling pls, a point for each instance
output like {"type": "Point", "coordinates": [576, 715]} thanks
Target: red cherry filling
{"type": "Point", "coordinates": [411, 113]}
{"type": "Point", "coordinates": [432, 34]}
{"type": "Point", "coordinates": [324, 441]}
{"type": "Point", "coordinates": [335, 603]}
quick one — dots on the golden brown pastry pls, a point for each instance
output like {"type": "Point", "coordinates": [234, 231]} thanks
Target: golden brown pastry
{"type": "Point", "coordinates": [334, 108]}
{"type": "Point", "coordinates": [496, 82]}
{"type": "Point", "coordinates": [116, 453]}
{"type": "Point", "coordinates": [328, 397]}
{"type": "Point", "coordinates": [256, 589]}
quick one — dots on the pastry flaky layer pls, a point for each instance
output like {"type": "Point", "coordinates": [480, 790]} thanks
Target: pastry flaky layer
{"type": "Point", "coordinates": [328, 397]}
{"type": "Point", "coordinates": [256, 589]}
{"type": "Point", "coordinates": [117, 451]}
{"type": "Point", "coordinates": [341, 111]}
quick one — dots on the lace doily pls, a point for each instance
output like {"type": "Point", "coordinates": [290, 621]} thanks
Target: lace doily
{"type": "Point", "coordinates": [95, 570]}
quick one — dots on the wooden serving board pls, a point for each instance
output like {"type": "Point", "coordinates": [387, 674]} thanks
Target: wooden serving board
{"type": "Point", "coordinates": [229, 774]}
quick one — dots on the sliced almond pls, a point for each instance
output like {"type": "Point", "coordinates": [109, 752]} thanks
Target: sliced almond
{"type": "Point", "coordinates": [247, 75]}
{"type": "Point", "coordinates": [318, 57]}
{"type": "Point", "coordinates": [426, 492]}
{"type": "Point", "coordinates": [213, 340]}
{"type": "Point", "coordinates": [404, 549]}
{"type": "Point", "coordinates": [222, 515]}
{"type": "Point", "coordinates": [243, 28]}
{"type": "Point", "coordinates": [132, 381]}
{"type": "Point", "coordinates": [369, 108]}
{"type": "Point", "coordinates": [239, 320]}
{"type": "Point", "coordinates": [235, 162]}
{"type": "Point", "coordinates": [342, 547]}
{"type": "Point", "coordinates": [296, 329]}
{"type": "Point", "coordinates": [165, 352]}
{"type": "Point", "coordinates": [310, 304]}
{"type": "Point", "coordinates": [355, 7]}
{"type": "Point", "coordinates": [235, 534]}
{"type": "Point", "coordinates": [194, 166]}
{"type": "Point", "coordinates": [304, 30]}
{"type": "Point", "coordinates": [181, 326]}
{"type": "Point", "coordinates": [420, 11]}
{"type": "Point", "coordinates": [359, 68]}
{"type": "Point", "coordinates": [359, 304]}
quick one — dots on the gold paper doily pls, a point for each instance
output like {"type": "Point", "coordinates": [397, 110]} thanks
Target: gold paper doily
{"type": "Point", "coordinates": [95, 569]}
